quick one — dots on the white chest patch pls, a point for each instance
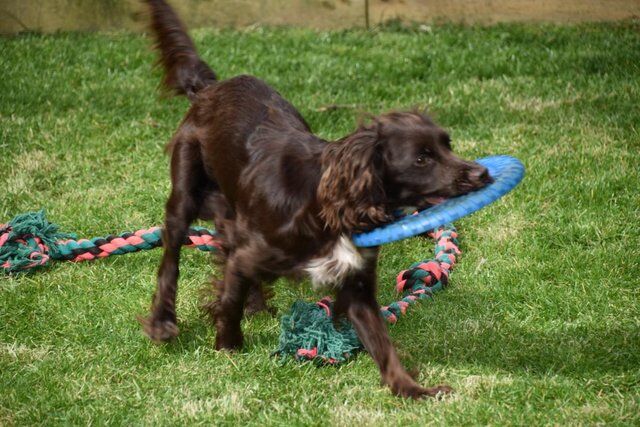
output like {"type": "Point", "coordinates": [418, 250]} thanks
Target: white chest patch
{"type": "Point", "coordinates": [334, 267]}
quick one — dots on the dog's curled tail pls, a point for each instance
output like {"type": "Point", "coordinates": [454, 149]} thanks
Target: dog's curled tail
{"type": "Point", "coordinates": [184, 72]}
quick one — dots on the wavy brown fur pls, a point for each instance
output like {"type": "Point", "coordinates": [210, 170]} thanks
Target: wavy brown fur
{"type": "Point", "coordinates": [185, 73]}
{"type": "Point", "coordinates": [350, 191]}
{"type": "Point", "coordinates": [285, 199]}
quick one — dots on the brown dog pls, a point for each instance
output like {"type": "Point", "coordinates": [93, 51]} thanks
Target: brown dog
{"type": "Point", "coordinates": [285, 201]}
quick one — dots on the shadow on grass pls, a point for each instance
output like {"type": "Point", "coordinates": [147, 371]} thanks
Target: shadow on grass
{"type": "Point", "coordinates": [199, 332]}
{"type": "Point", "coordinates": [577, 352]}
{"type": "Point", "coordinates": [574, 351]}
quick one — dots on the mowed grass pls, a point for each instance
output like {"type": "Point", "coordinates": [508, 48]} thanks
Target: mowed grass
{"type": "Point", "coordinates": [541, 323]}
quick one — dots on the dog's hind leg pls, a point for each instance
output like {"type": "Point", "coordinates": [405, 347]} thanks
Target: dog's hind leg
{"type": "Point", "coordinates": [239, 278]}
{"type": "Point", "coordinates": [259, 294]}
{"type": "Point", "coordinates": [187, 180]}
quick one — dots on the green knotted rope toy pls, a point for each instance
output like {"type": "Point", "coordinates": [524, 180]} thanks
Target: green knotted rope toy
{"type": "Point", "coordinates": [29, 241]}
{"type": "Point", "coordinates": [308, 332]}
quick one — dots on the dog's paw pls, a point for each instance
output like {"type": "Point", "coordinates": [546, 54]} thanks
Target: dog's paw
{"type": "Point", "coordinates": [414, 391]}
{"type": "Point", "coordinates": [228, 345]}
{"type": "Point", "coordinates": [438, 391]}
{"type": "Point", "coordinates": [257, 301]}
{"type": "Point", "coordinates": [252, 310]}
{"type": "Point", "coordinates": [229, 340]}
{"type": "Point", "coordinates": [159, 331]}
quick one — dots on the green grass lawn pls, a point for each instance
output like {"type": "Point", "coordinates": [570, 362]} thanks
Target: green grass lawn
{"type": "Point", "coordinates": [541, 323]}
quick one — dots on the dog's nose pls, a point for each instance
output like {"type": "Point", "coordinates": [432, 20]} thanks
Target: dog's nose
{"type": "Point", "coordinates": [480, 175]}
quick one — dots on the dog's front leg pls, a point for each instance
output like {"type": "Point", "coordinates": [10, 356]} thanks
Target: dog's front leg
{"type": "Point", "coordinates": [357, 299]}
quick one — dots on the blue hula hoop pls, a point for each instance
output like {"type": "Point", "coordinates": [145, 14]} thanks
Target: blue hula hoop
{"type": "Point", "coordinates": [506, 171]}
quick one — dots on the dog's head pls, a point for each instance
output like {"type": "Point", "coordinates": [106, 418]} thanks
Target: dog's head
{"type": "Point", "coordinates": [400, 159]}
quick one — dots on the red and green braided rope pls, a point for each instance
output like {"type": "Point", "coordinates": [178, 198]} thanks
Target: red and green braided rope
{"type": "Point", "coordinates": [308, 332]}
{"type": "Point", "coordinates": [29, 241]}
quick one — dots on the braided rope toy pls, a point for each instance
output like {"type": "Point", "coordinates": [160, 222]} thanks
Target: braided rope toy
{"type": "Point", "coordinates": [309, 332]}
{"type": "Point", "coordinates": [29, 241]}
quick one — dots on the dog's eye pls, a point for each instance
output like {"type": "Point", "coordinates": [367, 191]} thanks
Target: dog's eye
{"type": "Point", "coordinates": [422, 160]}
{"type": "Point", "coordinates": [424, 157]}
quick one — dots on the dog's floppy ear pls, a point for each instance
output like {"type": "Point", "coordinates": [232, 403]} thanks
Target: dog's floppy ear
{"type": "Point", "coordinates": [351, 193]}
